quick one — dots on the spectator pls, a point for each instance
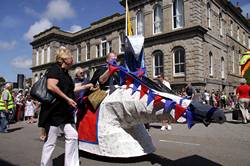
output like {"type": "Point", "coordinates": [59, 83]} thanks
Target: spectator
{"type": "Point", "coordinates": [163, 82]}
{"type": "Point", "coordinates": [206, 96]}
{"type": "Point", "coordinates": [6, 107]}
{"type": "Point", "coordinates": [212, 100]}
{"type": "Point", "coordinates": [189, 91]}
{"type": "Point", "coordinates": [19, 106]}
{"type": "Point", "coordinates": [223, 99]}
{"type": "Point", "coordinates": [242, 93]}
{"type": "Point", "coordinates": [29, 109]}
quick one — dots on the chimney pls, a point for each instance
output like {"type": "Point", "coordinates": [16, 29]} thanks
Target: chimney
{"type": "Point", "coordinates": [238, 7]}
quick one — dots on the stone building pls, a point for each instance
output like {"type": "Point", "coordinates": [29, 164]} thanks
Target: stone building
{"type": "Point", "coordinates": [197, 41]}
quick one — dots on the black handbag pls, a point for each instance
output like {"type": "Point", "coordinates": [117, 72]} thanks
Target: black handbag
{"type": "Point", "coordinates": [40, 92]}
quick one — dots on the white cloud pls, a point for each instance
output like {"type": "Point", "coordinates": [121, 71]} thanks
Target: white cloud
{"type": "Point", "coordinates": [22, 62]}
{"type": "Point", "coordinates": [31, 12]}
{"type": "Point", "coordinates": [59, 10]}
{"type": "Point", "coordinates": [37, 27]}
{"type": "Point", "coordinates": [75, 28]}
{"type": "Point", "coordinates": [7, 45]}
{"type": "Point", "coordinates": [246, 9]}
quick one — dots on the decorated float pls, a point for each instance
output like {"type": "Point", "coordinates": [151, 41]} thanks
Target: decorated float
{"type": "Point", "coordinates": [116, 127]}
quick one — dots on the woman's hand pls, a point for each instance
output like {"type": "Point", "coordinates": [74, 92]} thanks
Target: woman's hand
{"type": "Point", "coordinates": [88, 86]}
{"type": "Point", "coordinates": [72, 103]}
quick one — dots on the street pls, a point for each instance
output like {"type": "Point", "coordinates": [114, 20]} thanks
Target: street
{"type": "Point", "coordinates": [227, 144]}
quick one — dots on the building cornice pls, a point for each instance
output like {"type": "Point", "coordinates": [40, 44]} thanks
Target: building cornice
{"type": "Point", "coordinates": [185, 33]}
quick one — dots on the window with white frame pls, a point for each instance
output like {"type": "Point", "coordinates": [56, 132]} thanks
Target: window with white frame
{"type": "Point", "coordinates": [179, 61]}
{"type": "Point", "coordinates": [121, 42]}
{"type": "Point", "coordinates": [244, 38]}
{"type": "Point", "coordinates": [157, 20]}
{"type": "Point", "coordinates": [178, 14]}
{"type": "Point", "coordinates": [157, 63]}
{"type": "Point", "coordinates": [98, 51]}
{"type": "Point", "coordinates": [210, 63]}
{"type": "Point", "coordinates": [42, 57]}
{"type": "Point", "coordinates": [48, 54]}
{"type": "Point", "coordinates": [231, 27]}
{"type": "Point", "coordinates": [222, 68]}
{"type": "Point", "coordinates": [104, 47]}
{"type": "Point", "coordinates": [221, 24]}
{"type": "Point", "coordinates": [139, 23]}
{"type": "Point", "coordinates": [78, 53]}
{"type": "Point", "coordinates": [238, 33]}
{"type": "Point", "coordinates": [109, 46]}
{"type": "Point", "coordinates": [208, 15]}
{"type": "Point", "coordinates": [37, 57]}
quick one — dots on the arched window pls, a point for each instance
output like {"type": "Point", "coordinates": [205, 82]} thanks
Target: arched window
{"type": "Point", "coordinates": [222, 68]}
{"type": "Point", "coordinates": [178, 14]}
{"type": "Point", "coordinates": [208, 15]}
{"type": "Point", "coordinates": [158, 16]}
{"type": "Point", "coordinates": [179, 61]}
{"type": "Point", "coordinates": [139, 23]}
{"type": "Point", "coordinates": [210, 63]}
{"type": "Point", "coordinates": [157, 63]}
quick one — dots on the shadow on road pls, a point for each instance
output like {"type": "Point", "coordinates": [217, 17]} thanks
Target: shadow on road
{"type": "Point", "coordinates": [14, 129]}
{"type": "Point", "coordinates": [5, 163]}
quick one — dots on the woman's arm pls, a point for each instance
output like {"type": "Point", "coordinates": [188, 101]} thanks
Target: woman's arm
{"type": "Point", "coordinates": [80, 86]}
{"type": "Point", "coordinates": [52, 86]}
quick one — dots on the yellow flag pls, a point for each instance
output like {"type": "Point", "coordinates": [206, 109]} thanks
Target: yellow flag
{"type": "Point", "coordinates": [128, 22]}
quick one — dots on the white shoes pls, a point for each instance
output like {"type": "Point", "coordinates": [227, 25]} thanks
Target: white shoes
{"type": "Point", "coordinates": [163, 128]}
{"type": "Point", "coordinates": [169, 127]}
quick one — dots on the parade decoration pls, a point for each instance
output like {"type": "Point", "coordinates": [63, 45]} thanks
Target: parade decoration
{"type": "Point", "coordinates": [245, 65]}
{"type": "Point", "coordinates": [116, 127]}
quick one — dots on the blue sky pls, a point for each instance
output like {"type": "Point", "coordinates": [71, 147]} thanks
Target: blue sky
{"type": "Point", "coordinates": [21, 19]}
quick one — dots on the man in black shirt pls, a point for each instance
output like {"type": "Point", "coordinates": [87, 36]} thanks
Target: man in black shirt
{"type": "Point", "coordinates": [105, 74]}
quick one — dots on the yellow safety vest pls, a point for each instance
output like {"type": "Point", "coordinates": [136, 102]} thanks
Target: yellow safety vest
{"type": "Point", "coordinates": [10, 101]}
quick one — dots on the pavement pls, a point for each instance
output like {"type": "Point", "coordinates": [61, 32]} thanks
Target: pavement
{"type": "Point", "coordinates": [218, 144]}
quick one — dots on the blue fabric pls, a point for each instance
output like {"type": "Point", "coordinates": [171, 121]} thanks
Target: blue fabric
{"type": "Point", "coordinates": [136, 85]}
{"type": "Point", "coordinates": [185, 98]}
{"type": "Point", "coordinates": [169, 105]}
{"type": "Point", "coordinates": [151, 96]}
{"type": "Point", "coordinates": [190, 118]}
{"type": "Point", "coordinates": [210, 113]}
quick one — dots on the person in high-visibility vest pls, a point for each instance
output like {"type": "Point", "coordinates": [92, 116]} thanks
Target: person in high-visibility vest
{"type": "Point", "coordinates": [6, 106]}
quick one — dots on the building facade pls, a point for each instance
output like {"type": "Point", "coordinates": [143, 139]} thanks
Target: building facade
{"type": "Point", "coordinates": [196, 41]}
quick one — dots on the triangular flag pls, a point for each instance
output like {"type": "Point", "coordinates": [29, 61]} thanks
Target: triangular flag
{"type": "Point", "coordinates": [190, 118]}
{"type": "Point", "coordinates": [135, 87]}
{"type": "Point", "coordinates": [151, 97]}
{"type": "Point", "coordinates": [122, 76]}
{"type": "Point", "coordinates": [179, 110]}
{"type": "Point", "coordinates": [169, 105]}
{"type": "Point", "coordinates": [143, 90]}
{"type": "Point", "coordinates": [157, 100]}
{"type": "Point", "coordinates": [129, 81]}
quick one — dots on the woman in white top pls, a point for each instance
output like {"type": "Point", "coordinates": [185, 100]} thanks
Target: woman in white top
{"type": "Point", "coordinates": [29, 109]}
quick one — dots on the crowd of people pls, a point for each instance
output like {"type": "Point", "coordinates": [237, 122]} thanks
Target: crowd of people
{"type": "Point", "coordinates": [59, 115]}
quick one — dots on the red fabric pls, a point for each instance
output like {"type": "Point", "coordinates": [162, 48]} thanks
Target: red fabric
{"type": "Point", "coordinates": [243, 91]}
{"type": "Point", "coordinates": [87, 127]}
{"type": "Point", "coordinates": [179, 110]}
{"type": "Point", "coordinates": [143, 91]}
{"type": "Point", "coordinates": [112, 69]}
{"type": "Point", "coordinates": [157, 100]}
{"type": "Point", "coordinates": [129, 81]}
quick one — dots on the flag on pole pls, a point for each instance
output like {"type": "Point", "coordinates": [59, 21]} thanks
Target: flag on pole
{"type": "Point", "coordinates": [129, 31]}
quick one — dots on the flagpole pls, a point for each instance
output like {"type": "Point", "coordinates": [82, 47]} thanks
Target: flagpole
{"type": "Point", "coordinates": [126, 24]}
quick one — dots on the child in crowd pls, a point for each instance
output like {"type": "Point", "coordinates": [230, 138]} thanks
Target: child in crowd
{"type": "Point", "coordinates": [29, 109]}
